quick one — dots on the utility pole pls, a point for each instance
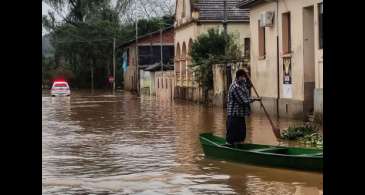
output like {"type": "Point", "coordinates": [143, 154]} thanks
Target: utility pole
{"type": "Point", "coordinates": [136, 57]}
{"type": "Point", "coordinates": [161, 57]}
{"type": "Point", "coordinates": [228, 68]}
{"type": "Point", "coordinates": [113, 65]}
{"type": "Point", "coordinates": [136, 50]}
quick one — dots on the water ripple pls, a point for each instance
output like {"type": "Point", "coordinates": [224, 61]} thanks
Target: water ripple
{"type": "Point", "coordinates": [120, 144]}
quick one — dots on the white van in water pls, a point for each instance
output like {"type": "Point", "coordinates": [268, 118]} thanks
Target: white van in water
{"type": "Point", "coordinates": [60, 88]}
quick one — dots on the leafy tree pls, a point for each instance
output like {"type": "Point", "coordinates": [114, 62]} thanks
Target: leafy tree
{"type": "Point", "coordinates": [208, 49]}
{"type": "Point", "coordinates": [84, 37]}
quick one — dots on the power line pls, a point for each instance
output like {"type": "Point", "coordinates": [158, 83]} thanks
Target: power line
{"type": "Point", "coordinates": [88, 41]}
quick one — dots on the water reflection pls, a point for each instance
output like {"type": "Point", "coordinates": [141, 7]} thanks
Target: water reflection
{"type": "Point", "coordinates": [102, 143]}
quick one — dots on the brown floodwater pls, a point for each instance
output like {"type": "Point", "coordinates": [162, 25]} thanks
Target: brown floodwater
{"type": "Point", "coordinates": [100, 143]}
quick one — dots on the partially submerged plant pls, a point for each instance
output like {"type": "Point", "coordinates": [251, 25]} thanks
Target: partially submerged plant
{"type": "Point", "coordinates": [307, 133]}
{"type": "Point", "coordinates": [312, 139]}
{"type": "Point", "coordinates": [299, 131]}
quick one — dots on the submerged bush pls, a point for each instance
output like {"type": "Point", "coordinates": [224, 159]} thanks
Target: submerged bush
{"type": "Point", "coordinates": [308, 133]}
{"type": "Point", "coordinates": [313, 139]}
{"type": "Point", "coordinates": [299, 131]}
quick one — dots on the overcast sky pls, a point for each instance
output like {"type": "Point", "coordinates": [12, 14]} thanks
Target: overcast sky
{"type": "Point", "coordinates": [143, 6]}
{"type": "Point", "coordinates": [45, 9]}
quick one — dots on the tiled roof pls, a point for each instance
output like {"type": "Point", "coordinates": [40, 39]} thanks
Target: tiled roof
{"type": "Point", "coordinates": [249, 3]}
{"type": "Point", "coordinates": [214, 10]}
{"type": "Point", "coordinates": [146, 35]}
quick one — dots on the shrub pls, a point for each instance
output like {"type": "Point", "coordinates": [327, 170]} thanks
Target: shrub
{"type": "Point", "coordinates": [307, 133]}
{"type": "Point", "coordinates": [298, 131]}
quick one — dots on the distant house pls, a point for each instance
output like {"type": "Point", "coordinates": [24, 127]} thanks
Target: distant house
{"type": "Point", "coordinates": [287, 55]}
{"type": "Point", "coordinates": [194, 18]}
{"type": "Point", "coordinates": [150, 78]}
{"type": "Point", "coordinates": [149, 54]}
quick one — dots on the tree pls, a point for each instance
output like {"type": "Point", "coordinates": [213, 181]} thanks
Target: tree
{"type": "Point", "coordinates": [84, 36]}
{"type": "Point", "coordinates": [210, 48]}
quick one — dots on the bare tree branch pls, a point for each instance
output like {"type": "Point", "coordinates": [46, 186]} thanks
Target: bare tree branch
{"type": "Point", "coordinates": [145, 10]}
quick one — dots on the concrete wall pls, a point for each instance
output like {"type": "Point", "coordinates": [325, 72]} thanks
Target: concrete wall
{"type": "Point", "coordinates": [194, 94]}
{"type": "Point", "coordinates": [264, 72]}
{"type": "Point", "coordinates": [147, 82]}
{"type": "Point", "coordinates": [219, 84]}
{"type": "Point", "coordinates": [164, 84]}
{"type": "Point", "coordinates": [220, 81]}
{"type": "Point", "coordinates": [318, 100]}
{"type": "Point", "coordinates": [130, 77]}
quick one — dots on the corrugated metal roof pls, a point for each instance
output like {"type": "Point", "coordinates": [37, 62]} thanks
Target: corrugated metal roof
{"type": "Point", "coordinates": [214, 10]}
{"type": "Point", "coordinates": [158, 67]}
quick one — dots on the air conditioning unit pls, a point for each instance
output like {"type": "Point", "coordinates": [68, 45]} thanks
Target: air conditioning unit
{"type": "Point", "coordinates": [266, 19]}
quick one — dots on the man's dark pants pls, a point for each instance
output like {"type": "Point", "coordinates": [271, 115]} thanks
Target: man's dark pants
{"type": "Point", "coordinates": [236, 129]}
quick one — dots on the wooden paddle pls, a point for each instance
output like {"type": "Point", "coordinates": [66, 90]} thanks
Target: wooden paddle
{"type": "Point", "coordinates": [275, 129]}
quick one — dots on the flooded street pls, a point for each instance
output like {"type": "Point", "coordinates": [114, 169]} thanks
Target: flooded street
{"type": "Point", "coordinates": [120, 144]}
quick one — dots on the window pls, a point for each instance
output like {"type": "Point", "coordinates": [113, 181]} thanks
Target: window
{"type": "Point", "coordinates": [158, 83]}
{"type": "Point", "coordinates": [261, 41]}
{"type": "Point", "coordinates": [247, 47]}
{"type": "Point", "coordinates": [320, 25]}
{"type": "Point", "coordinates": [286, 32]}
{"type": "Point", "coordinates": [152, 54]}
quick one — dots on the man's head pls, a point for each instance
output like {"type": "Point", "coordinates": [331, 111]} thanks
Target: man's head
{"type": "Point", "coordinates": [240, 74]}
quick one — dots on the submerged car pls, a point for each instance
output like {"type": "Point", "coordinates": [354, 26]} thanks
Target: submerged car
{"type": "Point", "coordinates": [60, 88]}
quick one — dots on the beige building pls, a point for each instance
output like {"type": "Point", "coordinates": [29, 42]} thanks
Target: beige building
{"type": "Point", "coordinates": [287, 55]}
{"type": "Point", "coordinates": [194, 18]}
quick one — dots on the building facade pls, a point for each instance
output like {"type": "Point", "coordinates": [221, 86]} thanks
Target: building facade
{"type": "Point", "coordinates": [149, 54]}
{"type": "Point", "coordinates": [194, 18]}
{"type": "Point", "coordinates": [287, 55]}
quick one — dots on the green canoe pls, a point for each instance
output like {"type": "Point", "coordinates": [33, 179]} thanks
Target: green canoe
{"type": "Point", "coordinates": [263, 155]}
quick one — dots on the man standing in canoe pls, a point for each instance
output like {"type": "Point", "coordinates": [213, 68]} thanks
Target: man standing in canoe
{"type": "Point", "coordinates": [238, 107]}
